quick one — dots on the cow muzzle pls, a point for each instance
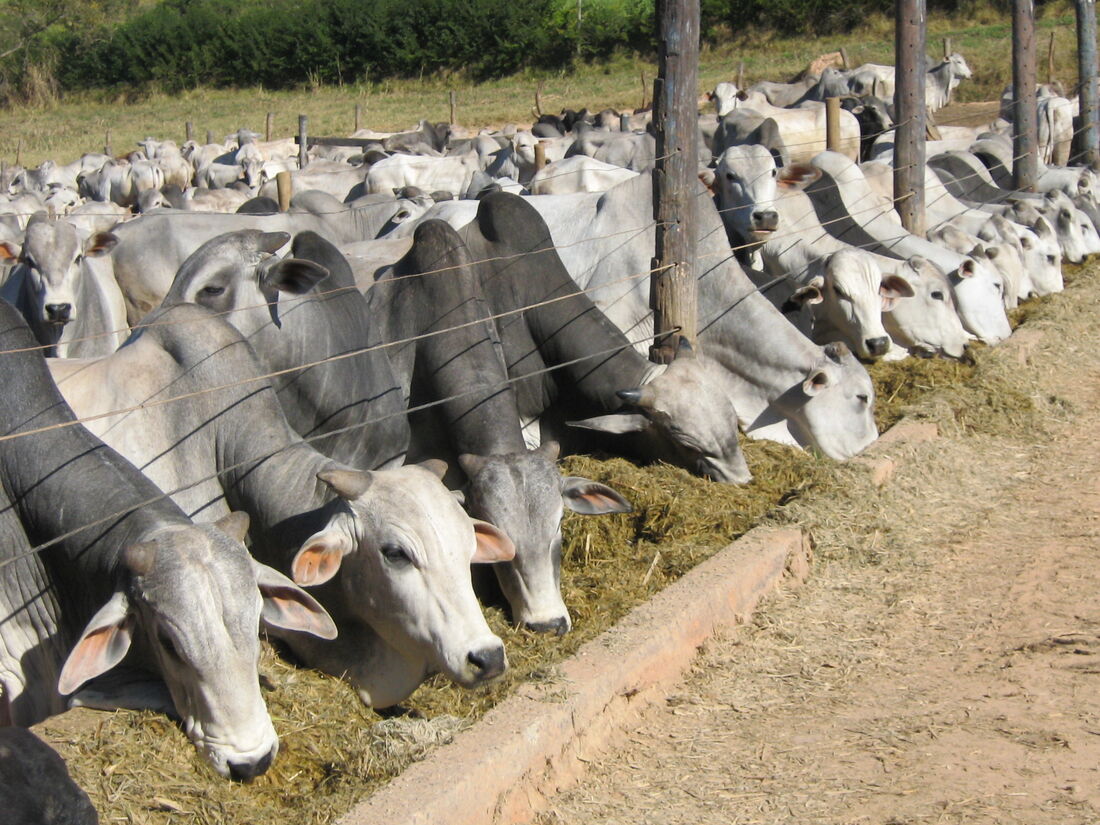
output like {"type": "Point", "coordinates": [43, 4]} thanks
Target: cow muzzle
{"type": "Point", "coordinates": [59, 313]}
{"type": "Point", "coordinates": [877, 347]}
{"type": "Point", "coordinates": [248, 769]}
{"type": "Point", "coordinates": [558, 626]}
{"type": "Point", "coordinates": [485, 663]}
{"type": "Point", "coordinates": [766, 220]}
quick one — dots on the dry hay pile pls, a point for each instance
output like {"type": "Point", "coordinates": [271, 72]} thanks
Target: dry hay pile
{"type": "Point", "coordinates": [140, 768]}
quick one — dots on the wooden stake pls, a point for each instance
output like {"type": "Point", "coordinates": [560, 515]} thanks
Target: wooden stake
{"type": "Point", "coordinates": [453, 105]}
{"type": "Point", "coordinates": [269, 121]}
{"type": "Point", "coordinates": [189, 130]}
{"type": "Point", "coordinates": [1050, 60]}
{"type": "Point", "coordinates": [832, 124]}
{"type": "Point", "coordinates": [303, 142]}
{"type": "Point", "coordinates": [283, 187]}
{"type": "Point", "coordinates": [358, 116]}
{"type": "Point", "coordinates": [844, 61]}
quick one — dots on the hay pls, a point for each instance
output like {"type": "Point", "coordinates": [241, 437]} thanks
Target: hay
{"type": "Point", "coordinates": [140, 768]}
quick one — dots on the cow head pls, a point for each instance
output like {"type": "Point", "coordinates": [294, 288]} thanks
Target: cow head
{"type": "Point", "coordinates": [52, 258]}
{"type": "Point", "coordinates": [685, 416]}
{"type": "Point", "coordinates": [396, 556]}
{"type": "Point", "coordinates": [856, 292]}
{"type": "Point", "coordinates": [191, 599]}
{"type": "Point", "coordinates": [745, 181]}
{"type": "Point", "coordinates": [928, 324]}
{"type": "Point", "coordinates": [979, 297]}
{"type": "Point", "coordinates": [524, 494]}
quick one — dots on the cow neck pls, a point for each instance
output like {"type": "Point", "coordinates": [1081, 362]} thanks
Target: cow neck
{"type": "Point", "coordinates": [521, 269]}
{"type": "Point", "coordinates": [462, 367]}
{"type": "Point", "coordinates": [66, 478]}
{"type": "Point", "coordinates": [356, 399]}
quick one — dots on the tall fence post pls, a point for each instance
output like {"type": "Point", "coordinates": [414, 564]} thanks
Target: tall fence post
{"type": "Point", "coordinates": [832, 124]}
{"type": "Point", "coordinates": [1025, 138]}
{"type": "Point", "coordinates": [909, 43]}
{"type": "Point", "coordinates": [1086, 77]}
{"type": "Point", "coordinates": [675, 116]}
{"type": "Point", "coordinates": [454, 103]}
{"type": "Point", "coordinates": [358, 116]}
{"type": "Point", "coordinates": [303, 142]}
{"type": "Point", "coordinates": [283, 188]}
{"type": "Point", "coordinates": [189, 130]}
{"type": "Point", "coordinates": [1050, 60]}
{"type": "Point", "coordinates": [209, 135]}
{"type": "Point", "coordinates": [107, 144]}
{"type": "Point", "coordinates": [269, 122]}
{"type": "Point", "coordinates": [540, 156]}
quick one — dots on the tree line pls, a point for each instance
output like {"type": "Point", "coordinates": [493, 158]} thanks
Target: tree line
{"type": "Point", "coordinates": [178, 44]}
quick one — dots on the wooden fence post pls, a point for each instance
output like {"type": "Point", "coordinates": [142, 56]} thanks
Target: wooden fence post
{"type": "Point", "coordinates": [741, 74]}
{"type": "Point", "coordinates": [946, 48]}
{"type": "Point", "coordinates": [209, 135]}
{"type": "Point", "coordinates": [845, 63]}
{"type": "Point", "coordinates": [284, 189]}
{"type": "Point", "coordinates": [540, 155]}
{"type": "Point", "coordinates": [675, 116]}
{"type": "Point", "coordinates": [909, 45]}
{"type": "Point", "coordinates": [832, 124]}
{"type": "Point", "coordinates": [454, 103]}
{"type": "Point", "coordinates": [189, 130]}
{"type": "Point", "coordinates": [19, 152]}
{"type": "Point", "coordinates": [1025, 138]}
{"type": "Point", "coordinates": [1050, 59]}
{"type": "Point", "coordinates": [269, 121]}
{"type": "Point", "coordinates": [303, 142]}
{"type": "Point", "coordinates": [1086, 76]}
{"type": "Point", "coordinates": [358, 117]}
{"type": "Point", "coordinates": [107, 144]}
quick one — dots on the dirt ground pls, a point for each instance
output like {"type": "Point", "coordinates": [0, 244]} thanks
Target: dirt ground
{"type": "Point", "coordinates": [941, 665]}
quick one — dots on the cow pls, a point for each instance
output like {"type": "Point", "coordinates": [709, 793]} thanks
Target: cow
{"type": "Point", "coordinates": [152, 248]}
{"type": "Point", "coordinates": [403, 600]}
{"type": "Point", "coordinates": [579, 173]}
{"type": "Point", "coordinates": [165, 610]}
{"type": "Point", "coordinates": [463, 409]}
{"type": "Point", "coordinates": [59, 283]}
{"type": "Point", "coordinates": [36, 786]}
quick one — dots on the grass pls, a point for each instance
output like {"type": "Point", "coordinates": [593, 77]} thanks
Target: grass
{"type": "Point", "coordinates": [80, 123]}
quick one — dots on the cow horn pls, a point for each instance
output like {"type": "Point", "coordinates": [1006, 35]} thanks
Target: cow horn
{"type": "Point", "coordinates": [685, 349]}
{"type": "Point", "coordinates": [272, 241]}
{"type": "Point", "coordinates": [435, 466]}
{"type": "Point", "coordinates": [139, 557]}
{"type": "Point", "coordinates": [639, 396]}
{"type": "Point", "coordinates": [837, 350]}
{"type": "Point", "coordinates": [348, 484]}
{"type": "Point", "coordinates": [550, 449]}
{"type": "Point", "coordinates": [234, 525]}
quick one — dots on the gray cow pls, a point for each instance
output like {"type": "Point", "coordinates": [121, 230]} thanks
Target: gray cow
{"type": "Point", "coordinates": [109, 592]}
{"type": "Point", "coordinates": [399, 542]}
{"type": "Point", "coordinates": [35, 785]}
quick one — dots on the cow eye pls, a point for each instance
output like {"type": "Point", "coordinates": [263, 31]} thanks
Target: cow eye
{"type": "Point", "coordinates": [213, 290]}
{"type": "Point", "coordinates": [1050, 259]}
{"type": "Point", "coordinates": [937, 296]}
{"type": "Point", "coordinates": [864, 398]}
{"type": "Point", "coordinates": [729, 175]}
{"type": "Point", "coordinates": [395, 554]}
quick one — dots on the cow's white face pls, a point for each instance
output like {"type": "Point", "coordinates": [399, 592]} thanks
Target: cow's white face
{"type": "Point", "coordinates": [833, 408]}
{"type": "Point", "coordinates": [745, 180]}
{"type": "Point", "coordinates": [402, 547]}
{"type": "Point", "coordinates": [979, 296]}
{"type": "Point", "coordinates": [927, 323]}
{"type": "Point", "coordinates": [53, 255]}
{"type": "Point", "coordinates": [959, 67]}
{"type": "Point", "coordinates": [1043, 257]}
{"type": "Point", "coordinates": [193, 609]}
{"type": "Point", "coordinates": [856, 292]}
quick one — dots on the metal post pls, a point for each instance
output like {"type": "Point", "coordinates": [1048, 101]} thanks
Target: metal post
{"type": "Point", "coordinates": [269, 121]}
{"type": "Point", "coordinates": [1025, 139]}
{"type": "Point", "coordinates": [189, 130]}
{"type": "Point", "coordinates": [673, 286]}
{"type": "Point", "coordinates": [303, 143]}
{"type": "Point", "coordinates": [832, 124]}
{"type": "Point", "coordinates": [909, 43]}
{"type": "Point", "coordinates": [453, 104]}
{"type": "Point", "coordinates": [1086, 73]}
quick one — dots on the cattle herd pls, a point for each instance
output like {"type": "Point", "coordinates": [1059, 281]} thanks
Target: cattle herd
{"type": "Point", "coordinates": [220, 417]}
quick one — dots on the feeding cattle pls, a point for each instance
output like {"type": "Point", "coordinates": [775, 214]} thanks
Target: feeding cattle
{"type": "Point", "coordinates": [131, 605]}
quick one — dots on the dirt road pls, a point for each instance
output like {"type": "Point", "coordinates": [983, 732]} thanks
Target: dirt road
{"type": "Point", "coordinates": [943, 662]}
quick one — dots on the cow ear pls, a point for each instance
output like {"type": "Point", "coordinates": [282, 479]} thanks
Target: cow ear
{"type": "Point", "coordinates": [9, 252]}
{"type": "Point", "coordinates": [493, 544]}
{"type": "Point", "coordinates": [293, 275]}
{"type": "Point", "coordinates": [590, 498]}
{"type": "Point", "coordinates": [100, 244]}
{"type": "Point", "coordinates": [615, 424]}
{"type": "Point", "coordinates": [319, 558]}
{"type": "Point", "coordinates": [815, 382]}
{"type": "Point", "coordinates": [706, 176]}
{"type": "Point", "coordinates": [805, 296]}
{"type": "Point", "coordinates": [894, 286]}
{"type": "Point", "coordinates": [102, 645]}
{"type": "Point", "coordinates": [797, 176]}
{"type": "Point", "coordinates": [288, 607]}
{"type": "Point", "coordinates": [348, 484]}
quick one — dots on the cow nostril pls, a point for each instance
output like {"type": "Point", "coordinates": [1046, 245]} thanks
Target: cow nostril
{"type": "Point", "coordinates": [559, 626]}
{"type": "Point", "coordinates": [244, 771]}
{"type": "Point", "coordinates": [877, 346]}
{"type": "Point", "coordinates": [59, 312]}
{"type": "Point", "coordinates": [487, 662]}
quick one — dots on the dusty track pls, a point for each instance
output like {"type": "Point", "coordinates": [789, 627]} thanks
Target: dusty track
{"type": "Point", "coordinates": [943, 661]}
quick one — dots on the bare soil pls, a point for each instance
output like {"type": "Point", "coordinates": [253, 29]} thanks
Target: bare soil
{"type": "Point", "coordinates": [941, 665]}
